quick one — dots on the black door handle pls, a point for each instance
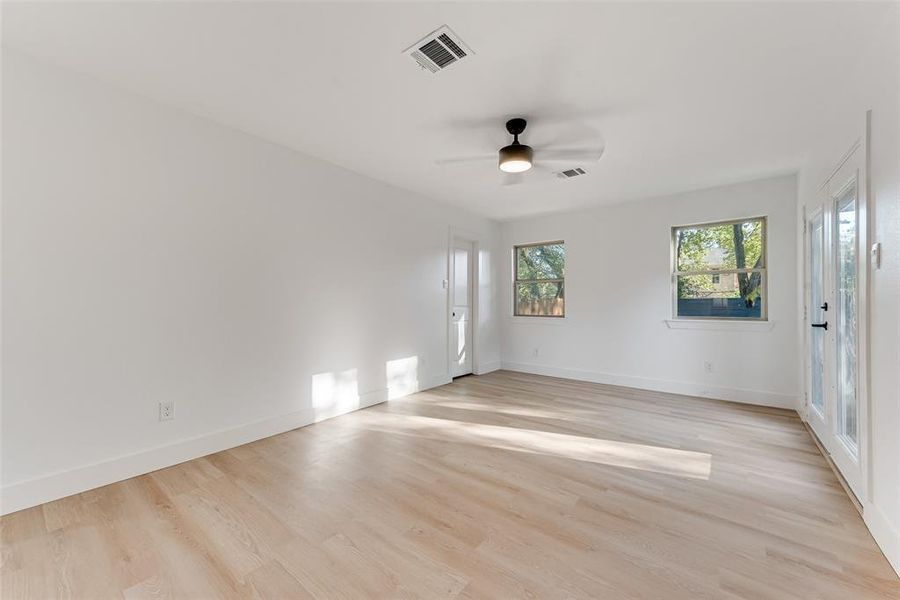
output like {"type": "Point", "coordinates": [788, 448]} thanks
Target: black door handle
{"type": "Point", "coordinates": [822, 325]}
{"type": "Point", "coordinates": [824, 306]}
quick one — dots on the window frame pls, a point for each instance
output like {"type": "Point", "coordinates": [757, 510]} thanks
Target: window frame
{"type": "Point", "coordinates": [763, 270]}
{"type": "Point", "coordinates": [516, 281]}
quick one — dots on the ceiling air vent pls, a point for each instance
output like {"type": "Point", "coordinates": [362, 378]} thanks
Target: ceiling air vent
{"type": "Point", "coordinates": [438, 50]}
{"type": "Point", "coordinates": [570, 173]}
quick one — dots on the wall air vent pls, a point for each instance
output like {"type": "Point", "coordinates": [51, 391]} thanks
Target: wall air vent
{"type": "Point", "coordinates": [570, 173]}
{"type": "Point", "coordinates": [438, 50]}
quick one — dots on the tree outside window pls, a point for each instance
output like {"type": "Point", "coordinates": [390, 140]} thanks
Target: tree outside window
{"type": "Point", "coordinates": [539, 287]}
{"type": "Point", "coordinates": [720, 270]}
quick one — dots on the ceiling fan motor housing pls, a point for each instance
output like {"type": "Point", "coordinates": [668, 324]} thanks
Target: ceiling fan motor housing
{"type": "Point", "coordinates": [516, 126]}
{"type": "Point", "coordinates": [516, 157]}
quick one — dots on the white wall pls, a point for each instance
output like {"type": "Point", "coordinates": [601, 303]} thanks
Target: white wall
{"type": "Point", "coordinates": [875, 85]}
{"type": "Point", "coordinates": [150, 255]}
{"type": "Point", "coordinates": [619, 297]}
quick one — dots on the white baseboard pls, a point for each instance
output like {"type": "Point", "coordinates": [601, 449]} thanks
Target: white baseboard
{"type": "Point", "coordinates": [758, 397]}
{"type": "Point", "coordinates": [32, 492]}
{"type": "Point", "coordinates": [434, 381]}
{"type": "Point", "coordinates": [487, 367]}
{"type": "Point", "coordinates": [887, 537]}
{"type": "Point", "coordinates": [65, 483]}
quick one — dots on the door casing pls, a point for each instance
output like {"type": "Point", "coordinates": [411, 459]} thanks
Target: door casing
{"type": "Point", "coordinates": [852, 169]}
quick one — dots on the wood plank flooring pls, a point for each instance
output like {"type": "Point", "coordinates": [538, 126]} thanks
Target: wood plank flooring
{"type": "Point", "coordinates": [500, 486]}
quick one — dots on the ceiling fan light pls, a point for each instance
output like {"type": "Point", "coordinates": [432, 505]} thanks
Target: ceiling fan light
{"type": "Point", "coordinates": [516, 158]}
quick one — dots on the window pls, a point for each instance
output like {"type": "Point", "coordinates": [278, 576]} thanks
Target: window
{"type": "Point", "coordinates": [719, 270]}
{"type": "Point", "coordinates": [540, 280]}
{"type": "Point", "coordinates": [846, 324]}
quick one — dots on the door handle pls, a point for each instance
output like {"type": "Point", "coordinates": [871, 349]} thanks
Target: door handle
{"type": "Point", "coordinates": [822, 325]}
{"type": "Point", "coordinates": [824, 306]}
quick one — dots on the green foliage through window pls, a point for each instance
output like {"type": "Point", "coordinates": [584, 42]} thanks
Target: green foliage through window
{"type": "Point", "coordinates": [539, 288]}
{"type": "Point", "coordinates": [720, 269]}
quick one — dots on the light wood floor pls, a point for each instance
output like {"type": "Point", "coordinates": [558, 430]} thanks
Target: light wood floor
{"type": "Point", "coordinates": [500, 486]}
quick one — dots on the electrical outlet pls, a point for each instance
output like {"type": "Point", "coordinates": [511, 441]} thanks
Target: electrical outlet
{"type": "Point", "coordinates": [707, 366]}
{"type": "Point", "coordinates": [166, 411]}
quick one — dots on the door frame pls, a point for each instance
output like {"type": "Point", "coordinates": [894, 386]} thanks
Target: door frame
{"type": "Point", "coordinates": [460, 235]}
{"type": "Point", "coordinates": [857, 473]}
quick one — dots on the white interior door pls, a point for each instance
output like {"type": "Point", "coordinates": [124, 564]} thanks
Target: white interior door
{"type": "Point", "coordinates": [817, 316]}
{"type": "Point", "coordinates": [836, 266]}
{"type": "Point", "coordinates": [461, 309]}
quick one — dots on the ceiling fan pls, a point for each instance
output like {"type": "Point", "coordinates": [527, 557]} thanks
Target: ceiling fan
{"type": "Point", "coordinates": [517, 158]}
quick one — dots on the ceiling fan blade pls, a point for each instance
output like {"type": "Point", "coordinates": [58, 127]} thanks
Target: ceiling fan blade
{"type": "Point", "coordinates": [537, 167]}
{"type": "Point", "coordinates": [535, 174]}
{"type": "Point", "coordinates": [461, 160]}
{"type": "Point", "coordinates": [568, 154]}
{"type": "Point", "coordinates": [512, 179]}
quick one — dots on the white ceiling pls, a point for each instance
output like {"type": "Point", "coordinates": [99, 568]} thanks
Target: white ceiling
{"type": "Point", "coordinates": [683, 95]}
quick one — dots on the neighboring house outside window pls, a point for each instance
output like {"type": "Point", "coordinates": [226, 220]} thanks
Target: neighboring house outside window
{"type": "Point", "coordinates": [539, 280]}
{"type": "Point", "coordinates": [719, 270]}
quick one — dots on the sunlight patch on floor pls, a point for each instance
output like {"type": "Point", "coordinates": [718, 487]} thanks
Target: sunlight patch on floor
{"type": "Point", "coordinates": [670, 461]}
{"type": "Point", "coordinates": [517, 411]}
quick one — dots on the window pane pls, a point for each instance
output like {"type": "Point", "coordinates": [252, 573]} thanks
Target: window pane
{"type": "Point", "coordinates": [541, 262]}
{"type": "Point", "coordinates": [736, 295]}
{"type": "Point", "coordinates": [540, 299]}
{"type": "Point", "coordinates": [846, 315]}
{"type": "Point", "coordinates": [727, 246]}
{"type": "Point", "coordinates": [816, 301]}
{"type": "Point", "coordinates": [460, 277]}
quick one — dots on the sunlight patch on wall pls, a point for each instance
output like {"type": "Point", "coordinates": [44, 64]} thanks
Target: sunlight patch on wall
{"type": "Point", "coordinates": [335, 392]}
{"type": "Point", "coordinates": [402, 376]}
{"type": "Point", "coordinates": [484, 269]}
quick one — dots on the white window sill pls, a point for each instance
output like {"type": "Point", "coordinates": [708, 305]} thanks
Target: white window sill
{"type": "Point", "coordinates": [538, 320]}
{"type": "Point", "coordinates": [720, 325]}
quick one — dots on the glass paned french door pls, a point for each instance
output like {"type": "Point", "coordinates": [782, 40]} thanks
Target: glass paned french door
{"type": "Point", "coordinates": [836, 263]}
{"type": "Point", "coordinates": [846, 290]}
{"type": "Point", "coordinates": [818, 313]}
